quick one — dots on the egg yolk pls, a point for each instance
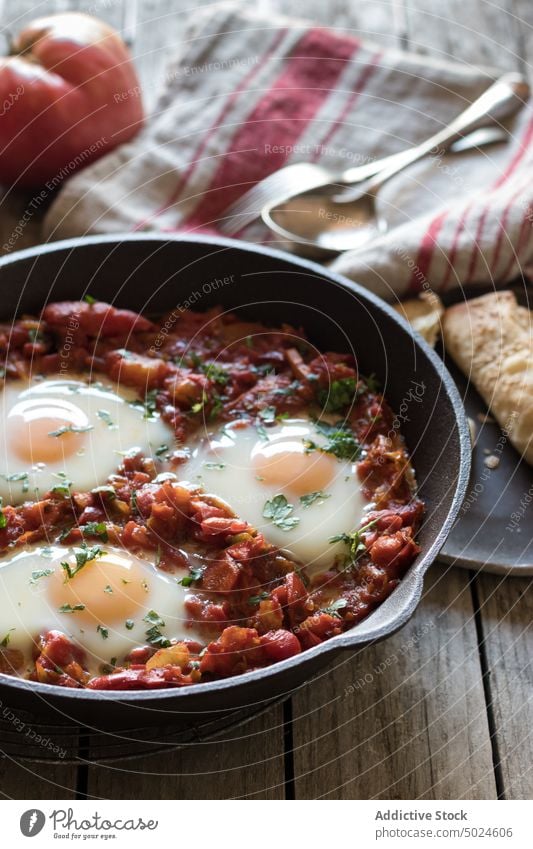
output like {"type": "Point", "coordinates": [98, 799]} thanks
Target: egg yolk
{"type": "Point", "coordinates": [40, 431]}
{"type": "Point", "coordinates": [111, 589]}
{"type": "Point", "coordinates": [287, 465]}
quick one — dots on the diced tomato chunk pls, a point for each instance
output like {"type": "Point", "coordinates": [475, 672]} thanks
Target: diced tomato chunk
{"type": "Point", "coordinates": [95, 319]}
{"type": "Point", "coordinates": [394, 551]}
{"type": "Point", "coordinates": [317, 628]}
{"type": "Point", "coordinates": [141, 678]}
{"type": "Point", "coordinates": [222, 575]}
{"type": "Point", "coordinates": [279, 645]}
{"type": "Point", "coordinates": [236, 650]}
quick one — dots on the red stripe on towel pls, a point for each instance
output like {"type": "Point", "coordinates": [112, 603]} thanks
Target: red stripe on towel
{"type": "Point", "coordinates": [361, 84]}
{"type": "Point", "coordinates": [230, 102]}
{"type": "Point", "coordinates": [502, 179]}
{"type": "Point", "coordinates": [455, 246]}
{"type": "Point", "coordinates": [522, 240]}
{"type": "Point", "coordinates": [502, 232]}
{"type": "Point", "coordinates": [278, 120]}
{"type": "Point", "coordinates": [519, 155]}
{"type": "Point", "coordinates": [425, 254]}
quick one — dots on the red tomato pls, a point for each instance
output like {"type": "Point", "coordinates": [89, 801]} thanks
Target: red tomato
{"type": "Point", "coordinates": [68, 94]}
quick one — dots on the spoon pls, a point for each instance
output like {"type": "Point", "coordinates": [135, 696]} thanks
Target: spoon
{"type": "Point", "coordinates": [320, 224]}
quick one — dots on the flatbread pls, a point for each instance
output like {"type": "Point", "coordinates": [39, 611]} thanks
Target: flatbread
{"type": "Point", "coordinates": [491, 340]}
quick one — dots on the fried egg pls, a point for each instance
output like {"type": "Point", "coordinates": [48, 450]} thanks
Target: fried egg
{"type": "Point", "coordinates": [107, 605]}
{"type": "Point", "coordinates": [58, 429]}
{"type": "Point", "coordinates": [279, 480]}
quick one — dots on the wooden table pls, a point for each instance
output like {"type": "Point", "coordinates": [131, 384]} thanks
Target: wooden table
{"type": "Point", "coordinates": [442, 710]}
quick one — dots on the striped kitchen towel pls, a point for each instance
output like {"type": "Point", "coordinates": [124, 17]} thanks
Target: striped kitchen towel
{"type": "Point", "coordinates": [250, 94]}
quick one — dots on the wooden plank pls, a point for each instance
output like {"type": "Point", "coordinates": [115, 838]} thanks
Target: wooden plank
{"type": "Point", "coordinates": [404, 719]}
{"type": "Point", "coordinates": [504, 38]}
{"type": "Point", "coordinates": [506, 608]}
{"type": "Point", "coordinates": [33, 780]}
{"type": "Point", "coordinates": [37, 761]}
{"type": "Point", "coordinates": [246, 762]}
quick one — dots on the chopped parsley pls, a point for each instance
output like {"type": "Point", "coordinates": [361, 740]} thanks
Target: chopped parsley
{"type": "Point", "coordinates": [96, 529]}
{"type": "Point", "coordinates": [354, 541]}
{"type": "Point", "coordinates": [89, 300]}
{"type": "Point", "coordinates": [149, 405]}
{"type": "Point", "coordinates": [218, 406]}
{"type": "Point", "coordinates": [256, 599]}
{"type": "Point", "coordinates": [312, 497]}
{"type": "Point", "coordinates": [195, 574]}
{"type": "Point", "coordinates": [105, 416]}
{"type": "Point", "coordinates": [215, 373]}
{"type": "Point", "coordinates": [162, 450]}
{"type": "Point", "coordinates": [125, 354]}
{"type": "Point", "coordinates": [5, 642]}
{"type": "Point", "coordinates": [70, 429]}
{"type": "Point", "coordinates": [106, 492]}
{"type": "Point", "coordinates": [339, 395]}
{"type": "Point", "coordinates": [264, 369]}
{"type": "Point", "coordinates": [278, 510]}
{"type": "Point", "coordinates": [34, 334]}
{"type": "Point", "coordinates": [340, 441]}
{"type": "Point", "coordinates": [195, 361]}
{"type": "Point", "coordinates": [199, 406]}
{"type": "Point", "coordinates": [82, 555]}
{"type": "Point", "coordinates": [334, 608]}
{"type": "Point", "coordinates": [68, 608]}
{"type": "Point", "coordinates": [3, 517]}
{"type": "Point", "coordinates": [18, 476]}
{"type": "Point", "coordinates": [129, 623]}
{"type": "Point", "coordinates": [153, 618]}
{"type": "Point", "coordinates": [288, 390]}
{"type": "Point", "coordinates": [37, 574]}
{"type": "Point", "coordinates": [372, 383]}
{"type": "Point", "coordinates": [103, 631]}
{"type": "Point", "coordinates": [261, 430]}
{"type": "Point", "coordinates": [108, 588]}
{"type": "Point", "coordinates": [268, 414]}
{"type": "Point", "coordinates": [153, 634]}
{"type": "Point", "coordinates": [62, 488]}
{"type": "Point", "coordinates": [217, 466]}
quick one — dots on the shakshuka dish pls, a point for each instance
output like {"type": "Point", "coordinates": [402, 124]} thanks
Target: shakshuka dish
{"type": "Point", "coordinates": [188, 499]}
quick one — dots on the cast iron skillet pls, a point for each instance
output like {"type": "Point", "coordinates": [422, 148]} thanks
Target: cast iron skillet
{"type": "Point", "coordinates": [156, 274]}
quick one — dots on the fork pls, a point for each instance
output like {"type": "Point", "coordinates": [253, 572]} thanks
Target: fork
{"type": "Point", "coordinates": [305, 176]}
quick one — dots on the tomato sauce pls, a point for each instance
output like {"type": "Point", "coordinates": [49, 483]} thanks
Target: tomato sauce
{"type": "Point", "coordinates": [251, 601]}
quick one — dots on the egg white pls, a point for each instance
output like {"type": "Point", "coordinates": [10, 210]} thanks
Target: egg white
{"type": "Point", "coordinates": [221, 462]}
{"type": "Point", "coordinates": [29, 605]}
{"type": "Point", "coordinates": [116, 422]}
